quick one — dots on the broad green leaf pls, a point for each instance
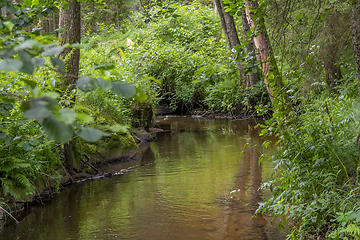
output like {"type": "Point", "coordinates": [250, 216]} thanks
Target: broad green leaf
{"type": "Point", "coordinates": [118, 128]}
{"type": "Point", "coordinates": [66, 115]}
{"type": "Point", "coordinates": [28, 67]}
{"type": "Point", "coordinates": [56, 62]}
{"type": "Point", "coordinates": [52, 51]}
{"type": "Point", "coordinates": [38, 113]}
{"type": "Point", "coordinates": [34, 142]}
{"type": "Point", "coordinates": [10, 65]}
{"type": "Point", "coordinates": [28, 3]}
{"type": "Point", "coordinates": [9, 25]}
{"type": "Point", "coordinates": [58, 131]}
{"type": "Point", "coordinates": [140, 95]}
{"type": "Point", "coordinates": [84, 84]}
{"type": "Point", "coordinates": [84, 117]}
{"type": "Point", "coordinates": [60, 30]}
{"type": "Point", "coordinates": [299, 17]}
{"type": "Point", "coordinates": [123, 89]}
{"type": "Point", "coordinates": [30, 83]}
{"type": "Point", "coordinates": [91, 134]}
{"type": "Point", "coordinates": [53, 95]}
{"type": "Point", "coordinates": [28, 44]}
{"type": "Point", "coordinates": [102, 84]}
{"type": "Point", "coordinates": [39, 61]}
{"type": "Point", "coordinates": [26, 146]}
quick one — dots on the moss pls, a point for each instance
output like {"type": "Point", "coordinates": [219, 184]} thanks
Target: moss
{"type": "Point", "coordinates": [116, 147]}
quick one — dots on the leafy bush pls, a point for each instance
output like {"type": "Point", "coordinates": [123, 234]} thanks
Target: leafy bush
{"type": "Point", "coordinates": [316, 186]}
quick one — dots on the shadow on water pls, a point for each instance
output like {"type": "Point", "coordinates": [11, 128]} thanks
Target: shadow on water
{"type": "Point", "coordinates": [194, 182]}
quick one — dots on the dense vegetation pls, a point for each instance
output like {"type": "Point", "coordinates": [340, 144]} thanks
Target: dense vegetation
{"type": "Point", "coordinates": [291, 62]}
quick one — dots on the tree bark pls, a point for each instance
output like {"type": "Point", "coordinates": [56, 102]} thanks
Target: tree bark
{"type": "Point", "coordinates": [270, 71]}
{"type": "Point", "coordinates": [251, 78]}
{"type": "Point", "coordinates": [356, 36]}
{"type": "Point", "coordinates": [69, 19]}
{"type": "Point", "coordinates": [228, 25]}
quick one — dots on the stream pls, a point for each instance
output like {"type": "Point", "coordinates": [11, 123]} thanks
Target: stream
{"type": "Point", "coordinates": [195, 181]}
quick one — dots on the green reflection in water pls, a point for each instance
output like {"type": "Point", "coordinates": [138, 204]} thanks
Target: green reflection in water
{"type": "Point", "coordinates": [180, 190]}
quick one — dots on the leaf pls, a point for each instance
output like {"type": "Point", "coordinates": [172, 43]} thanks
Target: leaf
{"type": "Point", "coordinates": [10, 65]}
{"type": "Point", "coordinates": [30, 83]}
{"type": "Point", "coordinates": [39, 61]}
{"type": "Point", "coordinates": [9, 25]}
{"type": "Point", "coordinates": [66, 115]}
{"type": "Point", "coordinates": [52, 51]}
{"type": "Point", "coordinates": [26, 146]}
{"type": "Point", "coordinates": [34, 142]}
{"type": "Point", "coordinates": [56, 62]}
{"type": "Point", "coordinates": [28, 67]}
{"type": "Point", "coordinates": [118, 128]}
{"type": "Point", "coordinates": [28, 44]}
{"type": "Point", "coordinates": [58, 131]}
{"type": "Point", "coordinates": [84, 117]}
{"type": "Point", "coordinates": [102, 84]}
{"type": "Point", "coordinates": [299, 17]}
{"type": "Point", "coordinates": [91, 134]}
{"type": "Point", "coordinates": [84, 84]}
{"type": "Point", "coordinates": [53, 95]}
{"type": "Point", "coordinates": [60, 30]}
{"type": "Point", "coordinates": [38, 113]}
{"type": "Point", "coordinates": [28, 3]}
{"type": "Point", "coordinates": [140, 95]}
{"type": "Point", "coordinates": [123, 89]}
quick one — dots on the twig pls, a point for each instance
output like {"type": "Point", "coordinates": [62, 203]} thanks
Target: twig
{"type": "Point", "coordinates": [328, 113]}
{"type": "Point", "coordinates": [90, 165]}
{"type": "Point", "coordinates": [9, 214]}
{"type": "Point", "coordinates": [137, 137]}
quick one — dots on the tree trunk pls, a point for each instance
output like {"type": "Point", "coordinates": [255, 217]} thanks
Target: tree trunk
{"type": "Point", "coordinates": [251, 77]}
{"type": "Point", "coordinates": [270, 71]}
{"type": "Point", "coordinates": [228, 25]}
{"type": "Point", "coordinates": [69, 19]}
{"type": "Point", "coordinates": [117, 16]}
{"type": "Point", "coordinates": [356, 36]}
{"type": "Point", "coordinates": [332, 73]}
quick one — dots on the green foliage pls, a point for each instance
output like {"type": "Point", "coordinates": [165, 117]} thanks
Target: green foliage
{"type": "Point", "coordinates": [317, 169]}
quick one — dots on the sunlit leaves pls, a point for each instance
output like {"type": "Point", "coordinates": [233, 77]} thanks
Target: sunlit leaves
{"type": "Point", "coordinates": [84, 117]}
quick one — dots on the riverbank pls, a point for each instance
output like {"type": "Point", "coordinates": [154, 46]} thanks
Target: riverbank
{"type": "Point", "coordinates": [109, 150]}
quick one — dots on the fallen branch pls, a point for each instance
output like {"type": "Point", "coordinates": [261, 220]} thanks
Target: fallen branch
{"type": "Point", "coordinates": [9, 214]}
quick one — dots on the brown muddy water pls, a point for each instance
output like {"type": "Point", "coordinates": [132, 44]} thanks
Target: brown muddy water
{"type": "Point", "coordinates": [192, 183]}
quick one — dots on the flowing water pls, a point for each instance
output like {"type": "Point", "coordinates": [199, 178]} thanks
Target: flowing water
{"type": "Point", "coordinates": [192, 183]}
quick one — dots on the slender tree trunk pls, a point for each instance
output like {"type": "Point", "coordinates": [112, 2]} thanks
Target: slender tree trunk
{"type": "Point", "coordinates": [69, 19]}
{"type": "Point", "coordinates": [270, 71]}
{"type": "Point", "coordinates": [228, 25]}
{"type": "Point", "coordinates": [356, 35]}
{"type": "Point", "coordinates": [251, 77]}
{"type": "Point", "coordinates": [331, 53]}
{"type": "Point", "coordinates": [332, 73]}
{"type": "Point", "coordinates": [117, 16]}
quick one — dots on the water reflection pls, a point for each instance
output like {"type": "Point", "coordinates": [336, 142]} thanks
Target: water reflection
{"type": "Point", "coordinates": [191, 184]}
